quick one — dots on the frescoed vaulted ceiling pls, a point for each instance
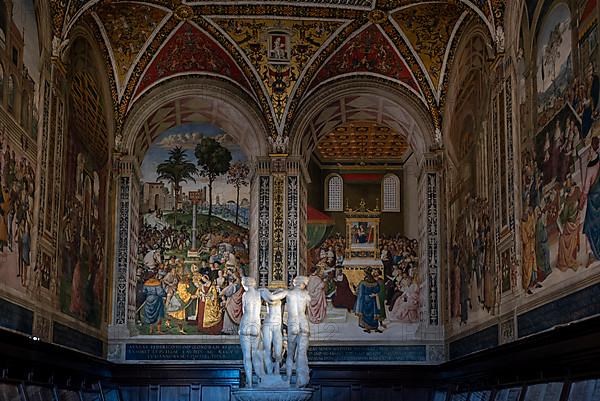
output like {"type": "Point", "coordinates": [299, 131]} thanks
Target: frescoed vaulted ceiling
{"type": "Point", "coordinates": [277, 51]}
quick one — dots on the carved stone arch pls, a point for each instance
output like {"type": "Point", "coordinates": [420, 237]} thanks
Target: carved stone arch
{"type": "Point", "coordinates": [253, 140]}
{"type": "Point", "coordinates": [404, 113]}
{"type": "Point", "coordinates": [408, 114]}
{"type": "Point", "coordinates": [459, 74]}
{"type": "Point", "coordinates": [205, 100]}
{"type": "Point", "coordinates": [81, 32]}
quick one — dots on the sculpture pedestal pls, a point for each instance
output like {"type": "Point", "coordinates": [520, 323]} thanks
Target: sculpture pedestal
{"type": "Point", "coordinates": [273, 394]}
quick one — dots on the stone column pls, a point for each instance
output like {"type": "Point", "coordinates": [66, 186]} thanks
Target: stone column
{"type": "Point", "coordinates": [429, 235]}
{"type": "Point", "coordinates": [127, 186]}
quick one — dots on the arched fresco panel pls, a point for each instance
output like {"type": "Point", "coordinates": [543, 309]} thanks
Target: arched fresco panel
{"type": "Point", "coordinates": [84, 210]}
{"type": "Point", "coordinates": [193, 238]}
{"type": "Point", "coordinates": [560, 145]}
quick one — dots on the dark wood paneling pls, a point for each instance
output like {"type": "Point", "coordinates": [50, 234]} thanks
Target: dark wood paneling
{"type": "Point", "coordinates": [563, 354]}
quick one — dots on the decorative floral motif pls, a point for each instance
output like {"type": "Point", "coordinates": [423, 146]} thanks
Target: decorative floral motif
{"type": "Point", "coordinates": [292, 228]}
{"type": "Point", "coordinates": [190, 50]}
{"type": "Point", "coordinates": [255, 38]}
{"type": "Point", "coordinates": [122, 252]}
{"type": "Point", "coordinates": [128, 27]}
{"type": "Point", "coordinates": [368, 52]}
{"type": "Point", "coordinates": [263, 229]}
{"type": "Point", "coordinates": [277, 273]}
{"type": "Point", "coordinates": [432, 246]}
{"type": "Point", "coordinates": [428, 28]}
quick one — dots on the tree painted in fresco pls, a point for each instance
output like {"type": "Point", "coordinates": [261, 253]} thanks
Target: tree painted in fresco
{"type": "Point", "coordinates": [213, 160]}
{"type": "Point", "coordinates": [238, 177]}
{"type": "Point", "coordinates": [177, 168]}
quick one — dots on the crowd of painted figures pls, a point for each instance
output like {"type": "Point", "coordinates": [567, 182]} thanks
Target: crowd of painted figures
{"type": "Point", "coordinates": [16, 209]}
{"type": "Point", "coordinates": [384, 295]}
{"type": "Point", "coordinates": [203, 296]}
{"type": "Point", "coordinates": [472, 276]}
{"type": "Point", "coordinates": [560, 220]}
{"type": "Point", "coordinates": [555, 210]}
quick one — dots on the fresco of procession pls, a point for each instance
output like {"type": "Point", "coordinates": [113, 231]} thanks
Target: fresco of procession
{"type": "Point", "coordinates": [190, 283]}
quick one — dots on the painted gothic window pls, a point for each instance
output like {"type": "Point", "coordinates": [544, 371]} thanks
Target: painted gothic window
{"type": "Point", "coordinates": [391, 193]}
{"type": "Point", "coordinates": [335, 193]}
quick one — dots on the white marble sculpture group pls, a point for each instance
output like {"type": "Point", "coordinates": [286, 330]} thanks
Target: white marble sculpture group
{"type": "Point", "coordinates": [265, 356]}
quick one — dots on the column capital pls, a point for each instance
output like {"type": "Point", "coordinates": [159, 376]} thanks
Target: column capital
{"type": "Point", "coordinates": [126, 165]}
{"type": "Point", "coordinates": [432, 162]}
{"type": "Point", "coordinates": [274, 164]}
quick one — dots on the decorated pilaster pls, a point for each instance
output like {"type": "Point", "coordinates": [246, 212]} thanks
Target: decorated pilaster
{"type": "Point", "coordinates": [279, 184]}
{"type": "Point", "coordinates": [504, 195]}
{"type": "Point", "coordinates": [48, 208]}
{"type": "Point", "coordinates": [429, 235]}
{"type": "Point", "coordinates": [127, 173]}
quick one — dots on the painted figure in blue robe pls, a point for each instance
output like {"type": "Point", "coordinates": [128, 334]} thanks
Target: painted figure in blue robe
{"type": "Point", "coordinates": [591, 224]}
{"type": "Point", "coordinates": [154, 307]}
{"type": "Point", "coordinates": [367, 306]}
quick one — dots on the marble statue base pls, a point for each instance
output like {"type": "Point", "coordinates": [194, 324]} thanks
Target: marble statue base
{"type": "Point", "coordinates": [273, 381]}
{"type": "Point", "coordinates": [273, 394]}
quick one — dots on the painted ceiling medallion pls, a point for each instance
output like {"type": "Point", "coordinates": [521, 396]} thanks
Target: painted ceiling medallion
{"type": "Point", "coordinates": [184, 12]}
{"type": "Point", "coordinates": [362, 141]}
{"type": "Point", "coordinates": [377, 17]}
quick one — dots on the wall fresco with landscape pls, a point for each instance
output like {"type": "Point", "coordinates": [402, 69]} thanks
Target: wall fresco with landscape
{"type": "Point", "coordinates": [190, 284]}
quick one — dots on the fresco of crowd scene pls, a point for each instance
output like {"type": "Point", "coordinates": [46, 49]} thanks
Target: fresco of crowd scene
{"type": "Point", "coordinates": [397, 287]}
{"type": "Point", "coordinates": [473, 281]}
{"type": "Point", "coordinates": [560, 160]}
{"type": "Point", "coordinates": [203, 296]}
{"type": "Point", "coordinates": [16, 211]}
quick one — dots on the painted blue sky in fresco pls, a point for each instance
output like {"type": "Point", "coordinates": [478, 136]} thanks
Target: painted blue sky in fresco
{"type": "Point", "coordinates": [187, 136]}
